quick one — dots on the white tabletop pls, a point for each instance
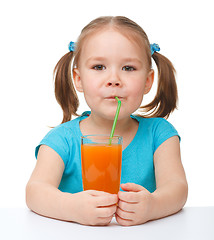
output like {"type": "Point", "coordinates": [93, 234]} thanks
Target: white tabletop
{"type": "Point", "coordinates": [190, 223]}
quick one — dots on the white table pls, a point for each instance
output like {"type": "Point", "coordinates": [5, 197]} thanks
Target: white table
{"type": "Point", "coordinates": [191, 223]}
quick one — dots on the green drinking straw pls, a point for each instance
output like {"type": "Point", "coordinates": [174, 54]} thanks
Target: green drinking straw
{"type": "Point", "coordinates": [115, 119]}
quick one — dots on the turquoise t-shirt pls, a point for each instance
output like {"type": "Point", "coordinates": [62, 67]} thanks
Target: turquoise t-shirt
{"type": "Point", "coordinates": [137, 157]}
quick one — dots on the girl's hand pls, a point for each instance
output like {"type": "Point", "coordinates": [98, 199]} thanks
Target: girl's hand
{"type": "Point", "coordinates": [94, 207]}
{"type": "Point", "coordinates": [134, 206]}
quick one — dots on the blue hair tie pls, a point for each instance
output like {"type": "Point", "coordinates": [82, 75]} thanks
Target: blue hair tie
{"type": "Point", "coordinates": [71, 46]}
{"type": "Point", "coordinates": [154, 48]}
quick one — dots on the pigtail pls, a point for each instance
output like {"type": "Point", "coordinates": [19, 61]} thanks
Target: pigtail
{"type": "Point", "coordinates": [166, 97]}
{"type": "Point", "coordinates": [65, 92]}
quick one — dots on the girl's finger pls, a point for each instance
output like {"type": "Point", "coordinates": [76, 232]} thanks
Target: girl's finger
{"type": "Point", "coordinates": [132, 187]}
{"type": "Point", "coordinates": [125, 215]}
{"type": "Point", "coordinates": [123, 222]}
{"type": "Point", "coordinates": [104, 221]}
{"type": "Point", "coordinates": [107, 200]}
{"type": "Point", "coordinates": [105, 212]}
{"type": "Point", "coordinates": [97, 193]}
{"type": "Point", "coordinates": [128, 207]}
{"type": "Point", "coordinates": [130, 197]}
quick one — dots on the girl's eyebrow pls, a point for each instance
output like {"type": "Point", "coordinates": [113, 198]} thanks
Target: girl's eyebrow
{"type": "Point", "coordinates": [95, 59]}
{"type": "Point", "coordinates": [132, 60]}
{"type": "Point", "coordinates": [129, 59]}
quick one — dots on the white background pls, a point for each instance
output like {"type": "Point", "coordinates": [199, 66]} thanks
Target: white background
{"type": "Point", "coordinates": [35, 35]}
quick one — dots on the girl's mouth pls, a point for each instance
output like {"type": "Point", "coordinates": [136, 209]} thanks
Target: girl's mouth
{"type": "Point", "coordinates": [113, 98]}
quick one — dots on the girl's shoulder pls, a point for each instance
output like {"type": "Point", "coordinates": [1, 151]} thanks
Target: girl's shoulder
{"type": "Point", "coordinates": [70, 128]}
{"type": "Point", "coordinates": [156, 126]}
{"type": "Point", "coordinates": [62, 138]}
{"type": "Point", "coordinates": [64, 128]}
{"type": "Point", "coordinates": [155, 130]}
{"type": "Point", "coordinates": [152, 122]}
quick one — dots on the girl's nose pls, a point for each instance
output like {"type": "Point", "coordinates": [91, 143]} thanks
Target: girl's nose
{"type": "Point", "coordinates": [113, 84]}
{"type": "Point", "coordinates": [113, 81]}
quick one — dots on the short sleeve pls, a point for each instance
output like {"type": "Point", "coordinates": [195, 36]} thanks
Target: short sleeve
{"type": "Point", "coordinates": [163, 131]}
{"type": "Point", "coordinates": [57, 140]}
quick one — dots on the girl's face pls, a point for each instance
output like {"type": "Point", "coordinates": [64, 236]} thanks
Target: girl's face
{"type": "Point", "coordinates": [111, 65]}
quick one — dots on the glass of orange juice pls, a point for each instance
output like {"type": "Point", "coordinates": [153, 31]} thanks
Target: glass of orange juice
{"type": "Point", "coordinates": [101, 158]}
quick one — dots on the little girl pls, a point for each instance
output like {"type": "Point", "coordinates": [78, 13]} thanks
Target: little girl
{"type": "Point", "coordinates": [112, 57]}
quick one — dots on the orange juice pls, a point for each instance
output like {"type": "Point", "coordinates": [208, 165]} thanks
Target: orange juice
{"type": "Point", "coordinates": [101, 166]}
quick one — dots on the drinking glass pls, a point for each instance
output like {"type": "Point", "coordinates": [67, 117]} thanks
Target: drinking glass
{"type": "Point", "coordinates": [101, 158]}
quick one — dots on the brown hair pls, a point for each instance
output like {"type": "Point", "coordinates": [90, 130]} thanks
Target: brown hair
{"type": "Point", "coordinates": [166, 97]}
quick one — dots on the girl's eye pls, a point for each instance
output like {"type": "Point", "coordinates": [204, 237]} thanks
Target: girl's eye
{"type": "Point", "coordinates": [99, 67]}
{"type": "Point", "coordinates": [128, 68]}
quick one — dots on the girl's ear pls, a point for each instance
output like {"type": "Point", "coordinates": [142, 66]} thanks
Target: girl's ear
{"type": "Point", "coordinates": [149, 81]}
{"type": "Point", "coordinates": [77, 80]}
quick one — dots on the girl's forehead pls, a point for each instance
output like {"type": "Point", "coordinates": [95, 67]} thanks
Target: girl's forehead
{"type": "Point", "coordinates": [112, 38]}
{"type": "Point", "coordinates": [108, 32]}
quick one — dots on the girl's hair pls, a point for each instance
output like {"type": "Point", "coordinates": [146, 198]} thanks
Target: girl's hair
{"type": "Point", "coordinates": [166, 97]}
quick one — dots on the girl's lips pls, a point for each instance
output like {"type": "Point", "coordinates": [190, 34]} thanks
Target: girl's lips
{"type": "Point", "coordinates": [113, 97]}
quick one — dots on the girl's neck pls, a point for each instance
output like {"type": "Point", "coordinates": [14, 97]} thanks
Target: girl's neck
{"type": "Point", "coordinates": [127, 127]}
{"type": "Point", "coordinates": [98, 125]}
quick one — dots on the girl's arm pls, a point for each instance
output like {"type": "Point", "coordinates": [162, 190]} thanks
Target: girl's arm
{"type": "Point", "coordinates": [172, 188]}
{"type": "Point", "coordinates": [44, 197]}
{"type": "Point", "coordinates": [138, 205]}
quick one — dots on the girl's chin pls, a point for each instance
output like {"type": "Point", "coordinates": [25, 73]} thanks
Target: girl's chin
{"type": "Point", "coordinates": [105, 113]}
{"type": "Point", "coordinates": [110, 114]}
